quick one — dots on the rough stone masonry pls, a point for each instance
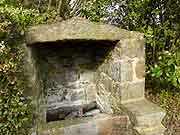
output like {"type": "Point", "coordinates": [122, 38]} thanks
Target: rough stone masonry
{"type": "Point", "coordinates": [89, 80]}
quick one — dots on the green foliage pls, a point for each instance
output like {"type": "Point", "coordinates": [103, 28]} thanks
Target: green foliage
{"type": "Point", "coordinates": [95, 10]}
{"type": "Point", "coordinates": [167, 70]}
{"type": "Point", "coordinates": [15, 107]}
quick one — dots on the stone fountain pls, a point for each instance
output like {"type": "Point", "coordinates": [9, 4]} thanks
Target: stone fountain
{"type": "Point", "coordinates": [88, 79]}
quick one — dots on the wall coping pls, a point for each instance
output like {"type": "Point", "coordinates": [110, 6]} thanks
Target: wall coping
{"type": "Point", "coordinates": [77, 28]}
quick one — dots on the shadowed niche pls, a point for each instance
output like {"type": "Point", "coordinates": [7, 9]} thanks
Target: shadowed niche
{"type": "Point", "coordinates": [67, 71]}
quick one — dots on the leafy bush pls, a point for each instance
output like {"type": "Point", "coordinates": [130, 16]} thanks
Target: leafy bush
{"type": "Point", "coordinates": [15, 107]}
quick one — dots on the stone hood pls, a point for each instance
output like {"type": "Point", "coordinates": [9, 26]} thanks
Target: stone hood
{"type": "Point", "coordinates": [75, 29]}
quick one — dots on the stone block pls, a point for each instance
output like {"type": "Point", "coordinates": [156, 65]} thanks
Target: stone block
{"type": "Point", "coordinates": [116, 125]}
{"type": "Point", "coordinates": [148, 117]}
{"type": "Point", "coordinates": [140, 69]}
{"type": "Point", "coordinates": [131, 90]}
{"type": "Point", "coordinates": [101, 124]}
{"type": "Point", "coordinates": [81, 129]}
{"type": "Point", "coordinates": [126, 70]}
{"type": "Point", "coordinates": [106, 81]}
{"type": "Point", "coordinates": [119, 70]}
{"type": "Point", "coordinates": [76, 85]}
{"type": "Point", "coordinates": [116, 52]}
{"type": "Point", "coordinates": [91, 92]}
{"type": "Point", "coordinates": [45, 132]}
{"type": "Point", "coordinates": [132, 47]}
{"type": "Point", "coordinates": [86, 75]}
{"type": "Point", "coordinates": [104, 125]}
{"type": "Point", "coordinates": [104, 67]}
{"type": "Point", "coordinates": [112, 69]}
{"type": "Point", "coordinates": [103, 104]}
{"type": "Point", "coordinates": [71, 75]}
{"type": "Point", "coordinates": [78, 94]}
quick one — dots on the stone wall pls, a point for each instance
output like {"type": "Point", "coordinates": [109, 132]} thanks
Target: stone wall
{"type": "Point", "coordinates": [121, 76]}
{"type": "Point", "coordinates": [68, 69]}
{"type": "Point", "coordinates": [90, 75]}
{"type": "Point", "coordinates": [80, 72]}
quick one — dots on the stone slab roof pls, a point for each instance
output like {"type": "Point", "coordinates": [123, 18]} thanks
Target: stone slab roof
{"type": "Point", "coordinates": [76, 29]}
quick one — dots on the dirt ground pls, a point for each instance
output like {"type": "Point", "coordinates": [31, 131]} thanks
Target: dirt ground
{"type": "Point", "coordinates": [171, 102]}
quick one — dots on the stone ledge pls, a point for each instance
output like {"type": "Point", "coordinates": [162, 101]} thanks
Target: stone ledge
{"type": "Point", "coordinates": [102, 124]}
{"type": "Point", "coordinates": [158, 130]}
{"type": "Point", "coordinates": [145, 116]}
{"type": "Point", "coordinates": [77, 29]}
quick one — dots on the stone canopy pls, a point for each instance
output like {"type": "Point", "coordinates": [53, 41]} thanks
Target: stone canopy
{"type": "Point", "coordinates": [76, 29]}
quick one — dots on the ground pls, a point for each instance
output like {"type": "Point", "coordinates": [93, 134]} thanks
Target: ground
{"type": "Point", "coordinates": [171, 102]}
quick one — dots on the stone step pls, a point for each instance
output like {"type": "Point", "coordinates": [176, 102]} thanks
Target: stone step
{"type": "Point", "coordinates": [102, 124]}
{"type": "Point", "coordinates": [145, 115]}
{"type": "Point", "coordinates": [131, 91]}
{"type": "Point", "coordinates": [158, 130]}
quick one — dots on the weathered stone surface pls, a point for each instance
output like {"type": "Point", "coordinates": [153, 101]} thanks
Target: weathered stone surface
{"type": "Point", "coordinates": [76, 29]}
{"type": "Point", "coordinates": [99, 125]}
{"type": "Point", "coordinates": [69, 111]}
{"type": "Point", "coordinates": [78, 95]}
{"type": "Point", "coordinates": [126, 71]}
{"type": "Point", "coordinates": [92, 113]}
{"type": "Point", "coordinates": [131, 90]}
{"type": "Point", "coordinates": [140, 69]}
{"type": "Point", "coordinates": [148, 116]}
{"type": "Point", "coordinates": [113, 126]}
{"type": "Point", "coordinates": [114, 71]}
{"type": "Point", "coordinates": [118, 70]}
{"type": "Point", "coordinates": [86, 69]}
{"type": "Point", "coordinates": [87, 75]}
{"type": "Point", "coordinates": [158, 130]}
{"type": "Point", "coordinates": [106, 81]}
{"type": "Point", "coordinates": [103, 104]}
{"type": "Point", "coordinates": [69, 78]}
{"type": "Point", "coordinates": [91, 92]}
{"type": "Point", "coordinates": [132, 47]}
